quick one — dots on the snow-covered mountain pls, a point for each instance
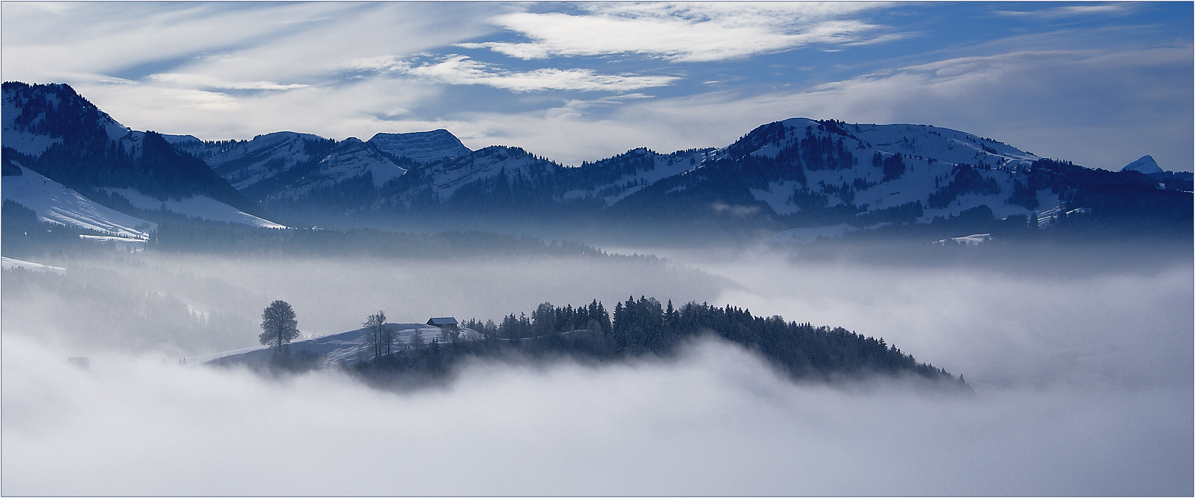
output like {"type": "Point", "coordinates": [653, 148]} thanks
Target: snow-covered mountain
{"type": "Point", "coordinates": [294, 167]}
{"type": "Point", "coordinates": [422, 147]}
{"type": "Point", "coordinates": [1145, 165]}
{"type": "Point", "coordinates": [53, 131]}
{"type": "Point", "coordinates": [788, 169]}
{"type": "Point", "coordinates": [349, 159]}
{"type": "Point", "coordinates": [796, 173]}
{"type": "Point", "coordinates": [248, 164]}
{"type": "Point", "coordinates": [612, 180]}
{"type": "Point", "coordinates": [879, 167]}
{"type": "Point", "coordinates": [479, 172]}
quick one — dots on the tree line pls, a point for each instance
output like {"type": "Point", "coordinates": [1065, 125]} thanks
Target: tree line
{"type": "Point", "coordinates": [643, 327]}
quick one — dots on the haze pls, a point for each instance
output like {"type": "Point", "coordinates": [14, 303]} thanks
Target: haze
{"type": "Point", "coordinates": [1083, 384]}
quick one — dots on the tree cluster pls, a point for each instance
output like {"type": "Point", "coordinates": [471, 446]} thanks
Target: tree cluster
{"type": "Point", "coordinates": [644, 326]}
{"type": "Point", "coordinates": [966, 181]}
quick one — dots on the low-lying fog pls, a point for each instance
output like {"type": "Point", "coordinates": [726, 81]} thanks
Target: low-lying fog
{"type": "Point", "coordinates": [1083, 384]}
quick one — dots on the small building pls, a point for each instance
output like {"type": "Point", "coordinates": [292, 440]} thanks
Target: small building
{"type": "Point", "coordinates": [445, 322]}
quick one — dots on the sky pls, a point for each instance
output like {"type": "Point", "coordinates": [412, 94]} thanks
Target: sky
{"type": "Point", "coordinates": [1099, 84]}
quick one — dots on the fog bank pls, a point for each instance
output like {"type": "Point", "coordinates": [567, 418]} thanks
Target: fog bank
{"type": "Point", "coordinates": [188, 305]}
{"type": "Point", "coordinates": [997, 326]}
{"type": "Point", "coordinates": [1083, 386]}
{"type": "Point", "coordinates": [716, 422]}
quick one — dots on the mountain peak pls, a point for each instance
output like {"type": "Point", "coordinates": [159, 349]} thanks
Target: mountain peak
{"type": "Point", "coordinates": [421, 146]}
{"type": "Point", "coordinates": [1145, 165]}
{"type": "Point", "coordinates": [39, 116]}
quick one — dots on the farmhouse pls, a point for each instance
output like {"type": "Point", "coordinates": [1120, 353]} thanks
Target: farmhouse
{"type": "Point", "coordinates": [446, 322]}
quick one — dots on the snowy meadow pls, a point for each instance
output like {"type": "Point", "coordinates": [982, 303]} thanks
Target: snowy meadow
{"type": "Point", "coordinates": [1083, 384]}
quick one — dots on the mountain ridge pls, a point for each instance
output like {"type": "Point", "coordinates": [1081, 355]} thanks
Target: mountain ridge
{"type": "Point", "coordinates": [794, 173]}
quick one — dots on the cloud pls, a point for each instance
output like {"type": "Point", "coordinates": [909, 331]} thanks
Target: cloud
{"type": "Point", "coordinates": [1000, 325]}
{"type": "Point", "coordinates": [681, 32]}
{"type": "Point", "coordinates": [228, 48]}
{"type": "Point", "coordinates": [341, 70]}
{"type": "Point", "coordinates": [718, 421]}
{"type": "Point", "coordinates": [461, 70]}
{"type": "Point", "coordinates": [1105, 9]}
{"type": "Point", "coordinates": [196, 80]}
{"type": "Point", "coordinates": [1096, 108]}
{"type": "Point", "coordinates": [349, 109]}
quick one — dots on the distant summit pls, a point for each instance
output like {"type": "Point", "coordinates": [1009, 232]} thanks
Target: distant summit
{"type": "Point", "coordinates": [1146, 166]}
{"type": "Point", "coordinates": [423, 146]}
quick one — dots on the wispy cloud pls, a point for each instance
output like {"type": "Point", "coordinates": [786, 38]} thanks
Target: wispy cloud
{"type": "Point", "coordinates": [1095, 108]}
{"type": "Point", "coordinates": [1105, 9]}
{"type": "Point", "coordinates": [202, 81]}
{"type": "Point", "coordinates": [229, 70]}
{"type": "Point", "coordinates": [461, 70]}
{"type": "Point", "coordinates": [683, 32]}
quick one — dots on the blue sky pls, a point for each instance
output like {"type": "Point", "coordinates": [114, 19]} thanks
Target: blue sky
{"type": "Point", "coordinates": [1100, 84]}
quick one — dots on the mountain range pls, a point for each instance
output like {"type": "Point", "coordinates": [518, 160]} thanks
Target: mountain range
{"type": "Point", "coordinates": [797, 174]}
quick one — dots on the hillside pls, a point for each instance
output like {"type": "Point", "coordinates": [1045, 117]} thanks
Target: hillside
{"type": "Point", "coordinates": [57, 133]}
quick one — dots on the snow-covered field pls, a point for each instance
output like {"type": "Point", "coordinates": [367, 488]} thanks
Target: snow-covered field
{"type": "Point", "coordinates": [118, 243]}
{"type": "Point", "coordinates": [57, 204]}
{"type": "Point", "coordinates": [196, 206]}
{"type": "Point", "coordinates": [967, 240]}
{"type": "Point", "coordinates": [10, 263]}
{"type": "Point", "coordinates": [345, 347]}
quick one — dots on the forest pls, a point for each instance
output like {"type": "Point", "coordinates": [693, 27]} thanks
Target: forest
{"type": "Point", "coordinates": [644, 327]}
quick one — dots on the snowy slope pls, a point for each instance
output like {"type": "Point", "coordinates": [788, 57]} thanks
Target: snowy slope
{"type": "Point", "coordinates": [32, 134]}
{"type": "Point", "coordinates": [929, 154]}
{"type": "Point", "coordinates": [196, 206]}
{"type": "Point", "coordinates": [25, 139]}
{"type": "Point", "coordinates": [10, 263]}
{"type": "Point", "coordinates": [945, 145]}
{"type": "Point", "coordinates": [444, 178]}
{"type": "Point", "coordinates": [348, 160]}
{"type": "Point", "coordinates": [658, 167]}
{"type": "Point", "coordinates": [965, 241]}
{"type": "Point", "coordinates": [106, 154]}
{"type": "Point", "coordinates": [1145, 165]}
{"type": "Point", "coordinates": [57, 204]}
{"type": "Point", "coordinates": [288, 165]}
{"type": "Point", "coordinates": [347, 347]}
{"type": "Point", "coordinates": [424, 146]}
{"type": "Point", "coordinates": [248, 162]}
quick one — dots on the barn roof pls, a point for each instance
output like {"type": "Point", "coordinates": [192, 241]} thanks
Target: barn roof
{"type": "Point", "coordinates": [441, 321]}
